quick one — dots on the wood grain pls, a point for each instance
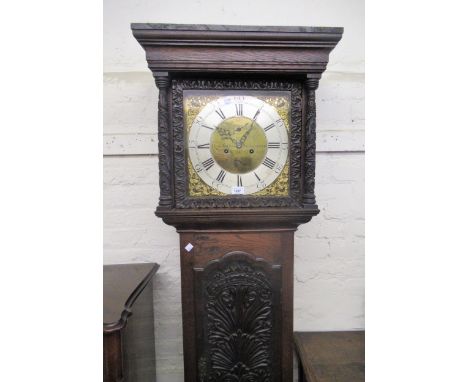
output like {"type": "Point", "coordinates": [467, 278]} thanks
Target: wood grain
{"type": "Point", "coordinates": [330, 356]}
{"type": "Point", "coordinates": [218, 48]}
{"type": "Point", "coordinates": [274, 248]}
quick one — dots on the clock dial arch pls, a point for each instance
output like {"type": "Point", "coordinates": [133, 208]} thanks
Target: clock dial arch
{"type": "Point", "coordinates": [238, 141]}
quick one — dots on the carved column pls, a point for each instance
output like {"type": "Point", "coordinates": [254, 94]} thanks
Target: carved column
{"type": "Point", "coordinates": [311, 84]}
{"type": "Point", "coordinates": [165, 142]}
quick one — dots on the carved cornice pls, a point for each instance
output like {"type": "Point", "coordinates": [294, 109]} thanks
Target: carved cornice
{"type": "Point", "coordinates": [235, 35]}
{"type": "Point", "coordinates": [233, 48]}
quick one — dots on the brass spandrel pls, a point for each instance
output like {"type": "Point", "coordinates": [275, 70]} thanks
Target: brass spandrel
{"type": "Point", "coordinates": [198, 187]}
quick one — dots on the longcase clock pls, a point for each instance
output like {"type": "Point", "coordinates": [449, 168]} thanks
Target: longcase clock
{"type": "Point", "coordinates": [236, 129]}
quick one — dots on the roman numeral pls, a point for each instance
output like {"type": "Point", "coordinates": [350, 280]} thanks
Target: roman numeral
{"type": "Point", "coordinates": [269, 127]}
{"type": "Point", "coordinates": [239, 108]}
{"type": "Point", "coordinates": [204, 146]}
{"type": "Point", "coordinates": [269, 163]}
{"type": "Point", "coordinates": [220, 113]}
{"type": "Point", "coordinates": [208, 163]}
{"type": "Point", "coordinates": [239, 181]}
{"type": "Point", "coordinates": [221, 176]}
{"type": "Point", "coordinates": [256, 114]}
{"type": "Point", "coordinates": [208, 127]}
{"type": "Point", "coordinates": [258, 178]}
{"type": "Point", "coordinates": [273, 145]}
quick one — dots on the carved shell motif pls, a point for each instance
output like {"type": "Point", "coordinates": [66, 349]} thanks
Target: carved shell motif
{"type": "Point", "coordinates": [239, 325]}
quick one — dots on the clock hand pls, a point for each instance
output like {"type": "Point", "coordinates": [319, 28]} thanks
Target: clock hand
{"type": "Point", "coordinates": [244, 137]}
{"type": "Point", "coordinates": [246, 134]}
{"type": "Point", "coordinates": [245, 125]}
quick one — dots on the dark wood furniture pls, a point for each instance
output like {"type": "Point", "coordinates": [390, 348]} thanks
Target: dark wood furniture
{"type": "Point", "coordinates": [129, 343]}
{"type": "Point", "coordinates": [330, 356]}
{"type": "Point", "coordinates": [236, 251]}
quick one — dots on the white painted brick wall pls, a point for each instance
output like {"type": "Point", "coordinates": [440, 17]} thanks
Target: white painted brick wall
{"type": "Point", "coordinates": [329, 251]}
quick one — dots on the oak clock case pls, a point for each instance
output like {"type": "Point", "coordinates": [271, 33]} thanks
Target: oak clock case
{"type": "Point", "coordinates": [236, 132]}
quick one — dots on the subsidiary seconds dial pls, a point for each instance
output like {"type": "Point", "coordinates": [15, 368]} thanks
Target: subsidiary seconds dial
{"type": "Point", "coordinates": [238, 143]}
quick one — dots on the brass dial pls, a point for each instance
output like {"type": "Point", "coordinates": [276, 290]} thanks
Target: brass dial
{"type": "Point", "coordinates": [238, 144]}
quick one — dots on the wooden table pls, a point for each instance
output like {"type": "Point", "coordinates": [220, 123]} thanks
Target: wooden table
{"type": "Point", "coordinates": [129, 343]}
{"type": "Point", "coordinates": [330, 356]}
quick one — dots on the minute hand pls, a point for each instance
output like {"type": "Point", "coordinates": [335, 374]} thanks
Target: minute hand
{"type": "Point", "coordinates": [246, 134]}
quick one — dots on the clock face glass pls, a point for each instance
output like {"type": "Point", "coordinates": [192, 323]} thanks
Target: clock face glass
{"type": "Point", "coordinates": [237, 143]}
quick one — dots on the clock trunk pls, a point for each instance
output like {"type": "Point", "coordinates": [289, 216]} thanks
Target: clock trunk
{"type": "Point", "coordinates": [237, 292]}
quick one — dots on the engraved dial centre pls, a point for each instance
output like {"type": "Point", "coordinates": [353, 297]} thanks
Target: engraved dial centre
{"type": "Point", "coordinates": [239, 145]}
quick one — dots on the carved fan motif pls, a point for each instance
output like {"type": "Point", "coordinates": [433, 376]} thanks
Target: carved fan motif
{"type": "Point", "coordinates": [239, 325]}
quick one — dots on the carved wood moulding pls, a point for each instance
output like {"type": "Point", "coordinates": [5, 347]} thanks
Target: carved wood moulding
{"type": "Point", "coordinates": [235, 48]}
{"type": "Point", "coordinates": [182, 199]}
